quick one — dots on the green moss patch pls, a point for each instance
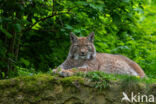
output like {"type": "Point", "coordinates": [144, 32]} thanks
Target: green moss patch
{"type": "Point", "coordinates": [87, 88]}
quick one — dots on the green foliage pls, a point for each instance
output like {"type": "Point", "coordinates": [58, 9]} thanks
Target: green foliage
{"type": "Point", "coordinates": [98, 76]}
{"type": "Point", "coordinates": [101, 82]}
{"type": "Point", "coordinates": [35, 33]}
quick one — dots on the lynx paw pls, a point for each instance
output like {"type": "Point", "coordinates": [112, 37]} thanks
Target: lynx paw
{"type": "Point", "coordinates": [65, 73]}
{"type": "Point", "coordinates": [55, 71]}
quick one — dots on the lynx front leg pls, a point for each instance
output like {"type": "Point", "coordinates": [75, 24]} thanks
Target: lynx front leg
{"type": "Point", "coordinates": [57, 70]}
{"type": "Point", "coordinates": [81, 69]}
{"type": "Point", "coordinates": [70, 72]}
{"type": "Point", "coordinates": [63, 72]}
{"type": "Point", "coordinates": [66, 73]}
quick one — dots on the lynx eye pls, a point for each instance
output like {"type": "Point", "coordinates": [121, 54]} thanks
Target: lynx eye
{"type": "Point", "coordinates": [89, 47]}
{"type": "Point", "coordinates": [75, 46]}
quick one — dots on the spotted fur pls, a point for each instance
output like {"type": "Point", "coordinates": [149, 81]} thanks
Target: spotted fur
{"type": "Point", "coordinates": [82, 55]}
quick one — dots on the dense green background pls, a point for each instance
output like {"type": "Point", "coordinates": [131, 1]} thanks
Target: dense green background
{"type": "Point", "coordinates": [34, 34]}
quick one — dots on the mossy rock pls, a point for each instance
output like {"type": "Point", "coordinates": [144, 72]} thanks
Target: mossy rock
{"type": "Point", "coordinates": [48, 89]}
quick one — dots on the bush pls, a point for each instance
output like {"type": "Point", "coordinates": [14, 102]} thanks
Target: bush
{"type": "Point", "coordinates": [35, 34]}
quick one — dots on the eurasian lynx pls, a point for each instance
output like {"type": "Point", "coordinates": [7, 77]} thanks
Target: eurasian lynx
{"type": "Point", "coordinates": [82, 56]}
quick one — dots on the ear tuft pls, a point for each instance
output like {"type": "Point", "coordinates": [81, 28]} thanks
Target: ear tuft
{"type": "Point", "coordinates": [73, 37]}
{"type": "Point", "coordinates": [91, 37]}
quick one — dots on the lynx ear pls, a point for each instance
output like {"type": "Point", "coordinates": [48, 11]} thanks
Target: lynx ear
{"type": "Point", "coordinates": [73, 37]}
{"type": "Point", "coordinates": [91, 37]}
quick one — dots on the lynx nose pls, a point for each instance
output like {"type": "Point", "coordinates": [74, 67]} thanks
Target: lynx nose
{"type": "Point", "coordinates": [82, 53]}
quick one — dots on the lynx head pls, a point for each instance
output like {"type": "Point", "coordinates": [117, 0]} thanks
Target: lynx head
{"type": "Point", "coordinates": [82, 47]}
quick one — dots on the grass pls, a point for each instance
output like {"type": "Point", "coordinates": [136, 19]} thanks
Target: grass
{"type": "Point", "coordinates": [95, 79]}
{"type": "Point", "coordinates": [97, 75]}
{"type": "Point", "coordinates": [101, 79]}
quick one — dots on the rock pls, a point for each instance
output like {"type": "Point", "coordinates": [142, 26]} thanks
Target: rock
{"type": "Point", "coordinates": [47, 89]}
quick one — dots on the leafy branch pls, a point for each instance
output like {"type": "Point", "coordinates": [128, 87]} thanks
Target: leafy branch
{"type": "Point", "coordinates": [45, 18]}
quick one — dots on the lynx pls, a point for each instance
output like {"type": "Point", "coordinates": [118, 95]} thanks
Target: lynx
{"type": "Point", "coordinates": [83, 57]}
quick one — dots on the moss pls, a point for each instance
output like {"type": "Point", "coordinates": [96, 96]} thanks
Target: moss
{"type": "Point", "coordinates": [44, 88]}
{"type": "Point", "coordinates": [70, 80]}
{"type": "Point", "coordinates": [152, 89]}
{"type": "Point", "coordinates": [9, 83]}
{"type": "Point", "coordinates": [36, 83]}
{"type": "Point", "coordinates": [73, 100]}
{"type": "Point", "coordinates": [33, 99]}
